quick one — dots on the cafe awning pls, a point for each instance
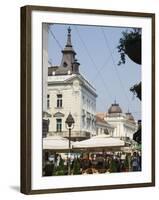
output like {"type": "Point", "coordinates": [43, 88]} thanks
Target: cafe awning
{"type": "Point", "coordinates": [56, 143]}
{"type": "Point", "coordinates": [101, 141]}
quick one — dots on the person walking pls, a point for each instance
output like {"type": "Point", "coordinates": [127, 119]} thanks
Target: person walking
{"type": "Point", "coordinates": [135, 162]}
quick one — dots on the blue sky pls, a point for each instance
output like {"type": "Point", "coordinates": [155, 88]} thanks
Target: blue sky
{"type": "Point", "coordinates": [98, 57]}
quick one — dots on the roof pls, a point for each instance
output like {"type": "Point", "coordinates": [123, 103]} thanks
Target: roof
{"type": "Point", "coordinates": [114, 108]}
{"type": "Point", "coordinates": [61, 79]}
{"type": "Point", "coordinates": [100, 119]}
{"type": "Point", "coordinates": [69, 63]}
{"type": "Point", "coordinates": [101, 114]}
{"type": "Point", "coordinates": [51, 70]}
{"type": "Point", "coordinates": [129, 116]}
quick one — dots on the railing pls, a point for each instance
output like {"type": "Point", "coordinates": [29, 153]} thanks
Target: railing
{"type": "Point", "coordinates": [73, 134]}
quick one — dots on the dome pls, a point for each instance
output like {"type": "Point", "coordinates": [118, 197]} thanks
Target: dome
{"type": "Point", "coordinates": [129, 116]}
{"type": "Point", "coordinates": [114, 108]}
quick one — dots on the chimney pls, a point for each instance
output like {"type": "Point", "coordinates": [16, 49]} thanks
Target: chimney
{"type": "Point", "coordinates": [75, 67]}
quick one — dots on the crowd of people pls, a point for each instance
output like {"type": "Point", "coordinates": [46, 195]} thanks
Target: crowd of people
{"type": "Point", "coordinates": [92, 163]}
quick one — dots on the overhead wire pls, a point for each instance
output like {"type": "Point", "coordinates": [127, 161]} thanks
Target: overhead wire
{"type": "Point", "coordinates": [113, 62]}
{"type": "Point", "coordinates": [61, 48]}
{"type": "Point", "coordinates": [58, 43]}
{"type": "Point", "coordinates": [94, 64]}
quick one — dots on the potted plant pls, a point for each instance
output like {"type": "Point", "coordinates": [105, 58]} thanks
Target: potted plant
{"type": "Point", "coordinates": [113, 166]}
{"type": "Point", "coordinates": [130, 45]}
{"type": "Point", "coordinates": [126, 163]}
{"type": "Point", "coordinates": [136, 89]}
{"type": "Point", "coordinates": [76, 167]}
{"type": "Point", "coordinates": [61, 169]}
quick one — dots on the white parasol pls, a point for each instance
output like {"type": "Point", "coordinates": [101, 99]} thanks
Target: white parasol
{"type": "Point", "coordinates": [56, 143]}
{"type": "Point", "coordinates": [99, 141]}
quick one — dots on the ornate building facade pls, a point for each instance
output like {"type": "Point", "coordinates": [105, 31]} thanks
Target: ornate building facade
{"type": "Point", "coordinates": [123, 124]}
{"type": "Point", "coordinates": [70, 92]}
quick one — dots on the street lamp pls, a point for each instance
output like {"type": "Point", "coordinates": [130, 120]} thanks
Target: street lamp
{"type": "Point", "coordinates": [70, 125]}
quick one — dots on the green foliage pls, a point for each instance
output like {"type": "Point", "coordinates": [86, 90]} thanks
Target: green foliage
{"type": "Point", "coordinates": [113, 166]}
{"type": "Point", "coordinates": [128, 38]}
{"type": "Point", "coordinates": [136, 89]}
{"type": "Point", "coordinates": [61, 169]}
{"type": "Point", "coordinates": [76, 167]}
{"type": "Point", "coordinates": [126, 162]}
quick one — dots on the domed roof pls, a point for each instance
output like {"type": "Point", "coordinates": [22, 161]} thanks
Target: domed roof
{"type": "Point", "coordinates": [129, 116]}
{"type": "Point", "coordinates": [114, 108]}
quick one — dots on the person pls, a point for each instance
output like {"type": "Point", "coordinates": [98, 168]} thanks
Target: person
{"type": "Point", "coordinates": [135, 162]}
{"type": "Point", "coordinates": [118, 164]}
{"type": "Point", "coordinates": [58, 160]}
{"type": "Point", "coordinates": [85, 163]}
{"type": "Point", "coordinates": [139, 156]}
{"type": "Point", "coordinates": [48, 169]}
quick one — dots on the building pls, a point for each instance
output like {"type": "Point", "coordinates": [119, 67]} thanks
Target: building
{"type": "Point", "coordinates": [69, 92]}
{"type": "Point", "coordinates": [103, 127]}
{"type": "Point", "coordinates": [45, 114]}
{"type": "Point", "coordinates": [123, 123]}
{"type": "Point", "coordinates": [116, 123]}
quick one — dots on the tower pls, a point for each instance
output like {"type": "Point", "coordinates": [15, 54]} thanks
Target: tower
{"type": "Point", "coordinates": [69, 91]}
{"type": "Point", "coordinates": [69, 64]}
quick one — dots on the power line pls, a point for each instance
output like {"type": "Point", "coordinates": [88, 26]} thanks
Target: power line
{"type": "Point", "coordinates": [60, 46]}
{"type": "Point", "coordinates": [104, 65]}
{"type": "Point", "coordinates": [58, 43]}
{"type": "Point", "coordinates": [94, 64]}
{"type": "Point", "coordinates": [118, 76]}
{"type": "Point", "coordinates": [91, 59]}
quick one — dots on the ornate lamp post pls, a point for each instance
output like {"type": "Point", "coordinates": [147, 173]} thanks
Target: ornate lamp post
{"type": "Point", "coordinates": [70, 125]}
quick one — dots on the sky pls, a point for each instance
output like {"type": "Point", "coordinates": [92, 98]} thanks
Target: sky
{"type": "Point", "coordinates": [97, 53]}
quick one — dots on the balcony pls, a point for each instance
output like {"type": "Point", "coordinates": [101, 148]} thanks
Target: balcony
{"type": "Point", "coordinates": [74, 134]}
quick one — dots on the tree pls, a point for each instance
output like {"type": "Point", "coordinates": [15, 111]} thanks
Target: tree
{"type": "Point", "coordinates": [76, 167]}
{"type": "Point", "coordinates": [136, 89]}
{"type": "Point", "coordinates": [61, 169]}
{"type": "Point", "coordinates": [130, 45]}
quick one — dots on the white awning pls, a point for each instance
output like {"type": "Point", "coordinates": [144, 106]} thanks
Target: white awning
{"type": "Point", "coordinates": [56, 143]}
{"type": "Point", "coordinates": [100, 141]}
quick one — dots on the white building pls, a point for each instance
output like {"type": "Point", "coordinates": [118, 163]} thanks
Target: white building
{"type": "Point", "coordinates": [45, 64]}
{"type": "Point", "coordinates": [103, 127]}
{"type": "Point", "coordinates": [70, 92]}
{"type": "Point", "coordinates": [124, 124]}
{"type": "Point", "coordinates": [45, 121]}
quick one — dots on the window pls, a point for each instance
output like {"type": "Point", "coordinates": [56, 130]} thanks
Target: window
{"type": "Point", "coordinates": [106, 131]}
{"type": "Point", "coordinates": [59, 100]}
{"type": "Point", "coordinates": [88, 123]}
{"type": "Point", "coordinates": [83, 118]}
{"type": "Point", "coordinates": [48, 101]}
{"type": "Point", "coordinates": [65, 64]}
{"type": "Point", "coordinates": [59, 125]}
{"type": "Point", "coordinates": [83, 98]}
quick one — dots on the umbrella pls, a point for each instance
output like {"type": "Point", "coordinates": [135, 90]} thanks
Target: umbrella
{"type": "Point", "coordinates": [100, 141]}
{"type": "Point", "coordinates": [56, 143]}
